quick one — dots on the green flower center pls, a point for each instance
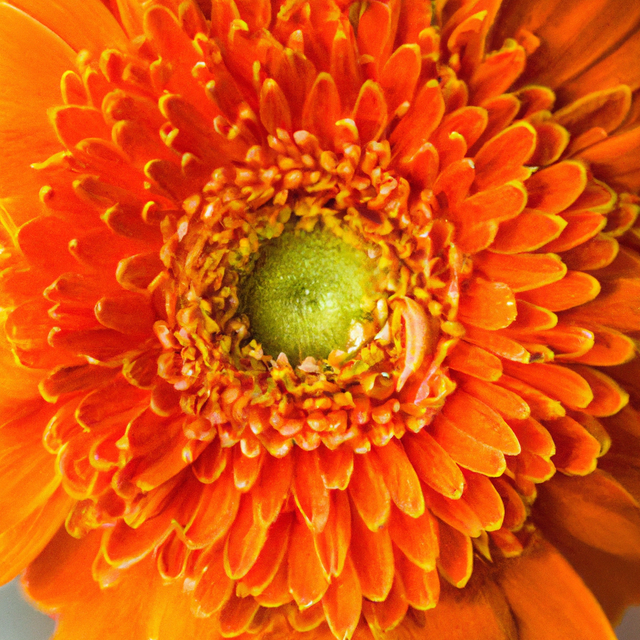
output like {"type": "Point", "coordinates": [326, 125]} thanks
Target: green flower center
{"type": "Point", "coordinates": [306, 293]}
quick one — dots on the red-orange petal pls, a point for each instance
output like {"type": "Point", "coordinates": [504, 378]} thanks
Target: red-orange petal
{"type": "Point", "coordinates": [342, 603]}
{"type": "Point", "coordinates": [417, 538]}
{"type": "Point", "coordinates": [433, 464]}
{"type": "Point", "coordinates": [400, 478]}
{"type": "Point", "coordinates": [307, 582]}
{"type": "Point", "coordinates": [312, 497]}
{"type": "Point", "coordinates": [516, 144]}
{"type": "Point", "coordinates": [555, 188]}
{"type": "Point", "coordinates": [567, 606]}
{"type": "Point", "coordinates": [456, 555]}
{"type": "Point", "coordinates": [373, 559]}
{"type": "Point", "coordinates": [369, 492]}
{"type": "Point", "coordinates": [556, 381]}
{"type": "Point", "coordinates": [488, 305]}
{"type": "Point", "coordinates": [574, 289]}
{"type": "Point", "coordinates": [521, 272]}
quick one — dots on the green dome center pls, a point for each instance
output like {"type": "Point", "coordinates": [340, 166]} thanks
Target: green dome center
{"type": "Point", "coordinates": [304, 294]}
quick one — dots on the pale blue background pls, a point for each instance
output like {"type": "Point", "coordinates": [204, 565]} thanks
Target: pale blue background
{"type": "Point", "coordinates": [18, 621]}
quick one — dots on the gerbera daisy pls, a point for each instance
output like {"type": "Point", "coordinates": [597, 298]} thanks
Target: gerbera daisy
{"type": "Point", "coordinates": [319, 315]}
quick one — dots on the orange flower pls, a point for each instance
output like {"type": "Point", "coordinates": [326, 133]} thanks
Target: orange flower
{"type": "Point", "coordinates": [306, 302]}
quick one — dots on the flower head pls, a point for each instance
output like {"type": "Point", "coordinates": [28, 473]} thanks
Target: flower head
{"type": "Point", "coordinates": [319, 316]}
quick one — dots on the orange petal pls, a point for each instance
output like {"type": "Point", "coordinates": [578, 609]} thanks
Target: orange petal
{"type": "Point", "coordinates": [369, 492]}
{"type": "Point", "coordinates": [615, 160]}
{"type": "Point", "coordinates": [211, 463]}
{"type": "Point", "coordinates": [433, 464]}
{"type": "Point", "coordinates": [336, 467]}
{"type": "Point", "coordinates": [597, 253]}
{"type": "Point", "coordinates": [574, 289]}
{"type": "Point", "coordinates": [580, 227]}
{"type": "Point", "coordinates": [610, 347]}
{"type": "Point", "coordinates": [214, 587]}
{"type": "Point", "coordinates": [541, 405]}
{"type": "Point", "coordinates": [416, 336]}
{"type": "Point", "coordinates": [469, 122]}
{"type": "Point", "coordinates": [456, 555]}
{"type": "Point", "coordinates": [236, 615]}
{"type": "Point", "coordinates": [608, 396]}
{"type": "Point", "coordinates": [274, 108]}
{"type": "Point", "coordinates": [216, 512]}
{"type": "Point", "coordinates": [482, 423]}
{"type": "Point", "coordinates": [322, 109]}
{"type": "Point", "coordinates": [532, 318]}
{"type": "Point", "coordinates": [23, 542]}
{"type": "Point", "coordinates": [521, 272]}
{"type": "Point", "coordinates": [386, 615]}
{"type": "Point", "coordinates": [414, 17]}
{"type": "Point", "coordinates": [400, 478]}
{"type": "Point", "coordinates": [245, 469]}
{"type": "Point", "coordinates": [575, 40]}
{"type": "Point", "coordinates": [516, 143]}
{"type": "Point", "coordinates": [502, 202]}
{"type": "Point", "coordinates": [370, 112]}
{"type": "Point", "coordinates": [488, 305]}
{"type": "Point", "coordinates": [596, 510]}
{"type": "Point", "coordinates": [344, 67]}
{"type": "Point", "coordinates": [515, 511]}
{"type": "Point", "coordinates": [419, 122]}
{"type": "Point", "coordinates": [417, 538]}
{"type": "Point", "coordinates": [501, 111]}
{"type": "Point", "coordinates": [312, 497]}
{"type": "Point", "coordinates": [272, 488]}
{"type": "Point", "coordinates": [305, 620]}
{"type": "Point", "coordinates": [27, 470]}
{"type": "Point", "coordinates": [307, 582]}
{"type": "Point", "coordinates": [605, 109]}
{"type": "Point", "coordinates": [30, 87]}
{"type": "Point", "coordinates": [533, 437]}
{"type": "Point", "coordinates": [400, 75]}
{"type": "Point", "coordinates": [54, 576]}
{"type": "Point", "coordinates": [555, 188]}
{"type": "Point", "coordinates": [528, 231]}
{"type": "Point", "coordinates": [548, 599]}
{"type": "Point", "coordinates": [478, 611]}
{"type": "Point", "coordinates": [552, 142]}
{"type": "Point", "coordinates": [454, 182]}
{"type": "Point", "coordinates": [422, 166]}
{"type": "Point", "coordinates": [475, 361]}
{"type": "Point", "coordinates": [567, 341]}
{"type": "Point", "coordinates": [556, 381]}
{"type": "Point", "coordinates": [72, 124]}
{"type": "Point", "coordinates": [266, 566]}
{"type": "Point", "coordinates": [618, 306]}
{"type": "Point", "coordinates": [138, 271]}
{"type": "Point", "coordinates": [576, 449]}
{"type": "Point", "coordinates": [497, 343]}
{"type": "Point", "coordinates": [497, 72]}
{"type": "Point", "coordinates": [373, 559]}
{"type": "Point", "coordinates": [276, 593]}
{"type": "Point", "coordinates": [466, 450]}
{"type": "Point", "coordinates": [484, 500]}
{"type": "Point", "coordinates": [508, 404]}
{"type": "Point", "coordinates": [246, 539]}
{"type": "Point", "coordinates": [342, 602]}
{"type": "Point", "coordinates": [375, 36]}
{"type": "Point", "coordinates": [332, 544]}
{"type": "Point", "coordinates": [422, 588]}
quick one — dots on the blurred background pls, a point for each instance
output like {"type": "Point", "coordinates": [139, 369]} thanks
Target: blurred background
{"type": "Point", "coordinates": [18, 621]}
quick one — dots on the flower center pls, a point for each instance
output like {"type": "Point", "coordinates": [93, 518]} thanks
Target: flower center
{"type": "Point", "coordinates": [307, 295]}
